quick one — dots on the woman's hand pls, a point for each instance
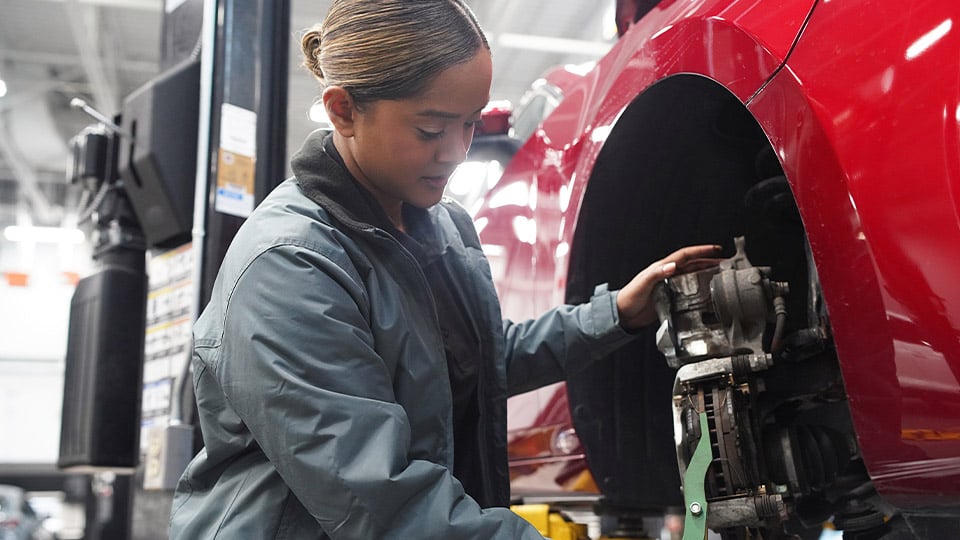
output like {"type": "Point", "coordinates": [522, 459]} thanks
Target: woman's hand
{"type": "Point", "coordinates": [634, 299]}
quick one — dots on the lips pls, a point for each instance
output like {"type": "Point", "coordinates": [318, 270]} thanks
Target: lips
{"type": "Point", "coordinates": [436, 181]}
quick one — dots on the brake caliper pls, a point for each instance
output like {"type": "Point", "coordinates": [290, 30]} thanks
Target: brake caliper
{"type": "Point", "coordinates": [713, 325]}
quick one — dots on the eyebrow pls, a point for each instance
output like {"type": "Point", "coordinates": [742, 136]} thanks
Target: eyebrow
{"type": "Point", "coordinates": [434, 113]}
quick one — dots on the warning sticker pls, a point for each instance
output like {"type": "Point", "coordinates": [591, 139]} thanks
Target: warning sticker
{"type": "Point", "coordinates": [235, 177]}
{"type": "Point", "coordinates": [236, 163]}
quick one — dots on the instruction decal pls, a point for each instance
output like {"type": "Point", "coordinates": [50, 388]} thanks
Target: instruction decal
{"type": "Point", "coordinates": [236, 161]}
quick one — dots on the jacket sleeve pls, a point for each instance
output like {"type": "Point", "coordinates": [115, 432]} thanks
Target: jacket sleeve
{"type": "Point", "coordinates": [562, 341]}
{"type": "Point", "coordinates": [300, 369]}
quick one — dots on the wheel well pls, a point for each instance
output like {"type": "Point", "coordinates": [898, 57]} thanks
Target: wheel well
{"type": "Point", "coordinates": [677, 169]}
{"type": "Point", "coordinates": [684, 150]}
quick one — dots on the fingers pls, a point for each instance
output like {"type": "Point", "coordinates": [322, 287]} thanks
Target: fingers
{"type": "Point", "coordinates": [690, 253]}
{"type": "Point", "coordinates": [688, 259]}
{"type": "Point", "coordinates": [700, 264]}
{"type": "Point", "coordinates": [634, 299]}
{"type": "Point", "coordinates": [668, 269]}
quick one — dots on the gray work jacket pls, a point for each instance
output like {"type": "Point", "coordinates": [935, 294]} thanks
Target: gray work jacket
{"type": "Point", "coordinates": [321, 378]}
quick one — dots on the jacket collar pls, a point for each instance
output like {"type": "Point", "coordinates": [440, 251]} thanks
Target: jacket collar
{"type": "Point", "coordinates": [324, 178]}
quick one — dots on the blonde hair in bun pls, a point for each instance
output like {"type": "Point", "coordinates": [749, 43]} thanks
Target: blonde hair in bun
{"type": "Point", "coordinates": [390, 49]}
{"type": "Point", "coordinates": [310, 43]}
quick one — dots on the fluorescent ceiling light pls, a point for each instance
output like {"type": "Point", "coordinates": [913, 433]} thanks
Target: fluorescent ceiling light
{"type": "Point", "coordinates": [51, 235]}
{"type": "Point", "coordinates": [3, 88]}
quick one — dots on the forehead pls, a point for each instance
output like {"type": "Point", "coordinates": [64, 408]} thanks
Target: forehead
{"type": "Point", "coordinates": [458, 91]}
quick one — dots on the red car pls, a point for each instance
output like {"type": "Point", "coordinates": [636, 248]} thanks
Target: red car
{"type": "Point", "coordinates": [818, 141]}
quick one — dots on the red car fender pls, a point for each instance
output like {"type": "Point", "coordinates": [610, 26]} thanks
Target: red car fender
{"type": "Point", "coordinates": [556, 160]}
{"type": "Point", "coordinates": [864, 114]}
{"type": "Point", "coordinates": [871, 147]}
{"type": "Point", "coordinates": [734, 44]}
{"type": "Point", "coordinates": [543, 185]}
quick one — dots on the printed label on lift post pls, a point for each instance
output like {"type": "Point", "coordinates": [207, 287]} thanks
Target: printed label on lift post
{"type": "Point", "coordinates": [166, 350]}
{"type": "Point", "coordinates": [236, 161]}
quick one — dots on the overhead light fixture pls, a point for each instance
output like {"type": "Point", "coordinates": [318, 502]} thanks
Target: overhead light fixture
{"type": "Point", "coordinates": [50, 235]}
{"type": "Point", "coordinates": [3, 88]}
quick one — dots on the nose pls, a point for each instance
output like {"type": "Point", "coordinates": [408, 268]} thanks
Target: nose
{"type": "Point", "coordinates": [453, 148]}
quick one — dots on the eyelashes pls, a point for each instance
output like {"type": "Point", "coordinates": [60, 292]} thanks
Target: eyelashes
{"type": "Point", "coordinates": [428, 135]}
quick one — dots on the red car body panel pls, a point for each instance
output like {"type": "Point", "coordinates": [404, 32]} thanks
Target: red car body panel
{"type": "Point", "coordinates": [861, 102]}
{"type": "Point", "coordinates": [706, 36]}
{"type": "Point", "coordinates": [874, 146]}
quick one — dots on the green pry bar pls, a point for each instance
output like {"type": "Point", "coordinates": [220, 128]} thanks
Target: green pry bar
{"type": "Point", "coordinates": [694, 494]}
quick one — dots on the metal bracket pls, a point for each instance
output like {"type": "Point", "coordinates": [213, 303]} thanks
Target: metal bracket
{"type": "Point", "coordinates": [694, 494]}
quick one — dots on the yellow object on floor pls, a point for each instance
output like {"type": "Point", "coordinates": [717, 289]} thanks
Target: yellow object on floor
{"type": "Point", "coordinates": [550, 523]}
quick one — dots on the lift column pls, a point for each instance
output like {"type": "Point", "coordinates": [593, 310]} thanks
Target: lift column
{"type": "Point", "coordinates": [241, 156]}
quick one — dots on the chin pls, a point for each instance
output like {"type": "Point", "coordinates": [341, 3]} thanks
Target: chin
{"type": "Point", "coordinates": [425, 201]}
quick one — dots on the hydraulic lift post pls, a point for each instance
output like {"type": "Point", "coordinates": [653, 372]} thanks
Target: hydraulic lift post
{"type": "Point", "coordinates": [223, 88]}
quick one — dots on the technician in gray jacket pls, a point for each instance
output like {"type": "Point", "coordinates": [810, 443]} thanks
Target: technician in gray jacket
{"type": "Point", "coordinates": [352, 367]}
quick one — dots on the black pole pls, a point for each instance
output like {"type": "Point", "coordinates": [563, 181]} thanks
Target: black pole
{"type": "Point", "coordinates": [252, 72]}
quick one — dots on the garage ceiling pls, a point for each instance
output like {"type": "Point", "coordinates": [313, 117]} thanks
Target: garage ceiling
{"type": "Point", "coordinates": [52, 51]}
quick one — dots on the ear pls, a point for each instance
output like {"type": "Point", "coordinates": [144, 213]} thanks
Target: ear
{"type": "Point", "coordinates": [341, 109]}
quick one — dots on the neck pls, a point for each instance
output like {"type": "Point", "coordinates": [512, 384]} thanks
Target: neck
{"type": "Point", "coordinates": [391, 206]}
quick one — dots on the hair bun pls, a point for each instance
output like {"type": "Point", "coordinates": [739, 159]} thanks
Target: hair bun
{"type": "Point", "coordinates": [310, 44]}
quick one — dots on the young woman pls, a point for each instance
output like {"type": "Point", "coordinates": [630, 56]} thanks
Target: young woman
{"type": "Point", "coordinates": [352, 367]}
